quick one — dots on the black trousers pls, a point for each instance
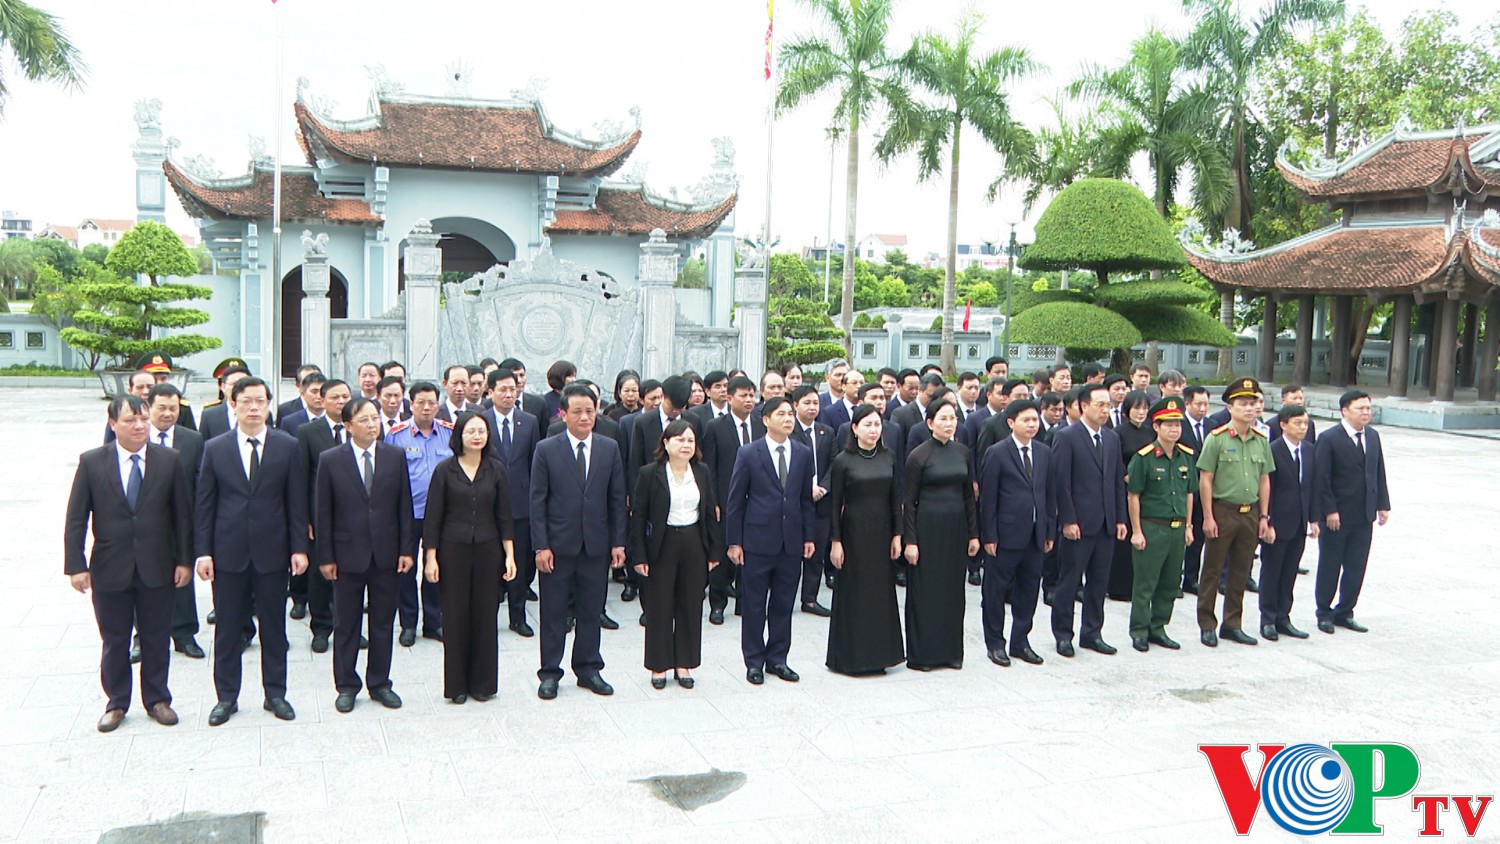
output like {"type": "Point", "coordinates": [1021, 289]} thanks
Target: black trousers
{"type": "Point", "coordinates": [1085, 560]}
{"type": "Point", "coordinates": [407, 603]}
{"type": "Point", "coordinates": [813, 567]}
{"type": "Point", "coordinates": [1278, 575]}
{"type": "Point", "coordinates": [319, 600]}
{"type": "Point", "coordinates": [147, 610]}
{"type": "Point", "coordinates": [1018, 573]}
{"type": "Point", "coordinates": [1342, 557]}
{"type": "Point", "coordinates": [768, 585]}
{"type": "Point", "coordinates": [296, 588]}
{"type": "Point", "coordinates": [232, 597]}
{"type": "Point", "coordinates": [721, 581]}
{"type": "Point", "coordinates": [470, 576]}
{"type": "Point", "coordinates": [515, 590]}
{"type": "Point", "coordinates": [581, 583]}
{"type": "Point", "coordinates": [350, 592]}
{"type": "Point", "coordinates": [1192, 560]}
{"type": "Point", "coordinates": [184, 612]}
{"type": "Point", "coordinates": [674, 601]}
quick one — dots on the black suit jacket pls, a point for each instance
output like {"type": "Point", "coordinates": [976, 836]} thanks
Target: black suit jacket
{"type": "Point", "coordinates": [569, 516]}
{"type": "Point", "coordinates": [312, 441]}
{"type": "Point", "coordinates": [1292, 496]}
{"type": "Point", "coordinates": [524, 435]}
{"type": "Point", "coordinates": [651, 498]}
{"type": "Point", "coordinates": [1312, 430]}
{"type": "Point", "coordinates": [536, 406]}
{"type": "Point", "coordinates": [152, 539]}
{"type": "Point", "coordinates": [1090, 485]}
{"type": "Point", "coordinates": [721, 442]}
{"type": "Point", "coordinates": [759, 514]}
{"type": "Point", "coordinates": [1014, 510]}
{"type": "Point", "coordinates": [644, 435]}
{"type": "Point", "coordinates": [356, 529]}
{"type": "Point", "coordinates": [290, 406]}
{"type": "Point", "coordinates": [823, 455]}
{"type": "Point", "coordinates": [974, 421]}
{"type": "Point", "coordinates": [908, 415]}
{"type": "Point", "coordinates": [189, 444]}
{"type": "Point", "coordinates": [834, 414]}
{"type": "Point", "coordinates": [1350, 482]}
{"type": "Point", "coordinates": [215, 420]}
{"type": "Point", "coordinates": [293, 422]}
{"type": "Point", "coordinates": [246, 526]}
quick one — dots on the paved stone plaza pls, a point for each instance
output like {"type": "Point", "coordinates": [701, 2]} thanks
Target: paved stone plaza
{"type": "Point", "coordinates": [1095, 748]}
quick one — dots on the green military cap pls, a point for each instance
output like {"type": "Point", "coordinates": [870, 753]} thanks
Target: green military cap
{"type": "Point", "coordinates": [1241, 388]}
{"type": "Point", "coordinates": [154, 362]}
{"type": "Point", "coordinates": [1168, 409]}
{"type": "Point", "coordinates": [229, 363]}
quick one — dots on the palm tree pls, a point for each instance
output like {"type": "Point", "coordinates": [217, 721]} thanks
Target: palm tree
{"type": "Point", "coordinates": [854, 63]}
{"type": "Point", "coordinates": [970, 90]}
{"type": "Point", "coordinates": [36, 41]}
{"type": "Point", "coordinates": [1058, 157]}
{"type": "Point", "coordinates": [17, 266]}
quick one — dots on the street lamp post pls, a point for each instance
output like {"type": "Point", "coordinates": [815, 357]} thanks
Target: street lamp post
{"type": "Point", "coordinates": [1010, 249]}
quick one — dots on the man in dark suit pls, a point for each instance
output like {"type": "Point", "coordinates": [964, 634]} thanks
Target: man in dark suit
{"type": "Point", "coordinates": [716, 385]}
{"type": "Point", "coordinates": [390, 392]}
{"type": "Point", "coordinates": [1195, 428]}
{"type": "Point", "coordinates": [722, 440]}
{"type": "Point", "coordinates": [1016, 527]}
{"type": "Point", "coordinates": [840, 409]}
{"type": "Point", "coordinates": [163, 403]}
{"type": "Point", "coordinates": [514, 435]}
{"type": "Point", "coordinates": [159, 364]}
{"type": "Point", "coordinates": [909, 414]}
{"type": "Point", "coordinates": [1292, 516]}
{"type": "Point", "coordinates": [770, 485]}
{"type": "Point", "coordinates": [996, 427]}
{"type": "Point", "coordinates": [251, 527]}
{"type": "Point", "coordinates": [993, 404]}
{"type": "Point", "coordinates": [837, 370]}
{"type": "Point", "coordinates": [1089, 473]}
{"type": "Point", "coordinates": [216, 419]}
{"type": "Point", "coordinates": [530, 402]}
{"type": "Point", "coordinates": [456, 384]}
{"type": "Point", "coordinates": [136, 496]}
{"type": "Point", "coordinates": [1294, 394]}
{"type": "Point", "coordinates": [312, 593]}
{"type": "Point", "coordinates": [819, 440]}
{"type": "Point", "coordinates": [139, 385]}
{"type": "Point", "coordinates": [309, 404]}
{"type": "Point", "coordinates": [1351, 496]}
{"type": "Point", "coordinates": [890, 435]}
{"type": "Point", "coordinates": [366, 539]}
{"type": "Point", "coordinates": [579, 526]}
{"type": "Point", "coordinates": [298, 402]}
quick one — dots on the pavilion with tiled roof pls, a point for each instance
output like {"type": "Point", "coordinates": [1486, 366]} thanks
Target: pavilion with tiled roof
{"type": "Point", "coordinates": [1418, 224]}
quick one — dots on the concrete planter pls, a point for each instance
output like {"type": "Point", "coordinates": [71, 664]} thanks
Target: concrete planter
{"type": "Point", "coordinates": [117, 381]}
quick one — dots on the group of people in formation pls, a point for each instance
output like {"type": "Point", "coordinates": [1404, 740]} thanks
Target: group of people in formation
{"type": "Point", "coordinates": [383, 506]}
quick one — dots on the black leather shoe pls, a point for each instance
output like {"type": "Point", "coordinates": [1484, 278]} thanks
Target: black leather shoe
{"type": "Point", "coordinates": [900, 578]}
{"type": "Point", "coordinates": [659, 683]}
{"type": "Point", "coordinates": [785, 672]}
{"type": "Point", "coordinates": [386, 697]}
{"type": "Point", "coordinates": [1285, 628]}
{"type": "Point", "coordinates": [213, 616]}
{"type": "Point", "coordinates": [828, 580]}
{"type": "Point", "coordinates": [628, 593]}
{"type": "Point", "coordinates": [1164, 641]}
{"type": "Point", "coordinates": [530, 594]}
{"type": "Point", "coordinates": [408, 637]}
{"type": "Point", "coordinates": [1302, 571]}
{"type": "Point", "coordinates": [643, 619]}
{"type": "Point", "coordinates": [299, 610]}
{"type": "Point", "coordinates": [547, 690]}
{"type": "Point", "coordinates": [1100, 646]}
{"type": "Point", "coordinates": [1325, 626]}
{"type": "Point", "coordinates": [503, 596]}
{"type": "Point", "coordinates": [1223, 588]}
{"type": "Point", "coordinates": [219, 715]}
{"type": "Point", "coordinates": [344, 702]}
{"type": "Point", "coordinates": [482, 698]}
{"type": "Point", "coordinates": [245, 643]}
{"type": "Point", "coordinates": [596, 684]}
{"type": "Point", "coordinates": [816, 608]}
{"type": "Point", "coordinates": [1268, 632]}
{"type": "Point", "coordinates": [1000, 657]}
{"type": "Point", "coordinates": [189, 648]}
{"type": "Point", "coordinates": [715, 616]}
{"type": "Point", "coordinates": [1140, 644]}
{"type": "Point", "coordinates": [135, 650]}
{"type": "Point", "coordinates": [1251, 585]}
{"type": "Point", "coordinates": [1351, 624]}
{"type": "Point", "coordinates": [1209, 638]}
{"type": "Point", "coordinates": [280, 708]}
{"type": "Point", "coordinates": [1190, 588]}
{"type": "Point", "coordinates": [685, 682]}
{"type": "Point", "coordinates": [975, 578]}
{"type": "Point", "coordinates": [459, 700]}
{"type": "Point", "coordinates": [320, 643]}
{"type": "Point", "coordinates": [433, 633]}
{"type": "Point", "coordinates": [755, 676]}
{"type": "Point", "coordinates": [523, 629]}
{"type": "Point", "coordinates": [608, 623]}
{"type": "Point", "coordinates": [1065, 649]}
{"type": "Point", "coordinates": [1238, 636]}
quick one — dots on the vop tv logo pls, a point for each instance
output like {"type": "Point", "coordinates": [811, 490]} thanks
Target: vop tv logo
{"type": "Point", "coordinates": [1310, 789]}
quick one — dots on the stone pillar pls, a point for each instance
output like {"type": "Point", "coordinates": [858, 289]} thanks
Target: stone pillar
{"type": "Point", "coordinates": [1401, 346]}
{"type": "Point", "coordinates": [1265, 371]}
{"type": "Point", "coordinates": [424, 264]}
{"type": "Point", "coordinates": [1485, 365]}
{"type": "Point", "coordinates": [894, 341]}
{"type": "Point", "coordinates": [1338, 355]}
{"type": "Point", "coordinates": [1447, 345]}
{"type": "Point", "coordinates": [750, 318]}
{"type": "Point", "coordinates": [1302, 357]}
{"type": "Point", "coordinates": [317, 314]}
{"type": "Point", "coordinates": [149, 151]}
{"type": "Point", "coordinates": [1466, 348]}
{"type": "Point", "coordinates": [657, 274]}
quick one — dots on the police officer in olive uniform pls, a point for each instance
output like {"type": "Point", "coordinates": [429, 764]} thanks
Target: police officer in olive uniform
{"type": "Point", "coordinates": [1234, 476]}
{"type": "Point", "coordinates": [1161, 480]}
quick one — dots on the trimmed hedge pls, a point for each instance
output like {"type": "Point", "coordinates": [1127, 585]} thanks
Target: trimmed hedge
{"type": "Point", "coordinates": [1104, 225]}
{"type": "Point", "coordinates": [1148, 293]}
{"type": "Point", "coordinates": [1023, 300]}
{"type": "Point", "coordinates": [1178, 324]}
{"type": "Point", "coordinates": [1074, 324]}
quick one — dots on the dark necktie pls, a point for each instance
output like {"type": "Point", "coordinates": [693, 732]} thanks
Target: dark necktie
{"type": "Point", "coordinates": [812, 442]}
{"type": "Point", "coordinates": [1297, 463]}
{"type": "Point", "coordinates": [744, 433]}
{"type": "Point", "coordinates": [338, 434]}
{"type": "Point", "coordinates": [255, 458]}
{"type": "Point", "coordinates": [162, 437]}
{"type": "Point", "coordinates": [369, 472]}
{"type": "Point", "coordinates": [1026, 461]}
{"type": "Point", "coordinates": [505, 438]}
{"type": "Point", "coordinates": [781, 465]}
{"type": "Point", "coordinates": [133, 486]}
{"type": "Point", "coordinates": [1098, 445]}
{"type": "Point", "coordinates": [1359, 440]}
{"type": "Point", "coordinates": [1198, 426]}
{"type": "Point", "coordinates": [583, 466]}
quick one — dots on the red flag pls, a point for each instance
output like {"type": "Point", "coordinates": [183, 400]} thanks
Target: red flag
{"type": "Point", "coordinates": [968, 309]}
{"type": "Point", "coordinates": [770, 25]}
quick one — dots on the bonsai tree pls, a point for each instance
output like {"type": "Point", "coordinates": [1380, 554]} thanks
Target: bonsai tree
{"type": "Point", "coordinates": [801, 331]}
{"type": "Point", "coordinates": [1108, 227]}
{"type": "Point", "coordinates": [1087, 332]}
{"type": "Point", "coordinates": [121, 314]}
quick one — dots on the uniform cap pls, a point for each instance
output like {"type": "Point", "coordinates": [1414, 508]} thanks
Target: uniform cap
{"type": "Point", "coordinates": [227, 363]}
{"type": "Point", "coordinates": [1241, 388]}
{"type": "Point", "coordinates": [1169, 409]}
{"type": "Point", "coordinates": [155, 362]}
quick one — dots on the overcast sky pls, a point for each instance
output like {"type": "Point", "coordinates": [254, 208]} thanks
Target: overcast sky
{"type": "Point", "coordinates": [693, 67]}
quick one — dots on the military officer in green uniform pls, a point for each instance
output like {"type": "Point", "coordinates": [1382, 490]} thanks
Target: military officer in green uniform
{"type": "Point", "coordinates": [1162, 479]}
{"type": "Point", "coordinates": [1234, 477]}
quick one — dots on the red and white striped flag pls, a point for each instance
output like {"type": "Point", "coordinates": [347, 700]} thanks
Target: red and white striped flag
{"type": "Point", "coordinates": [770, 25]}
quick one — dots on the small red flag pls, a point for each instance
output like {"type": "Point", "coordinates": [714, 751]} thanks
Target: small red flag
{"type": "Point", "coordinates": [968, 309]}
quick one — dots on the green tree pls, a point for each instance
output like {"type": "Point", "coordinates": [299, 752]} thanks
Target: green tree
{"type": "Point", "coordinates": [59, 299]}
{"type": "Point", "coordinates": [852, 61]}
{"type": "Point", "coordinates": [790, 278]}
{"type": "Point", "coordinates": [96, 252]}
{"type": "Point", "coordinates": [694, 275]}
{"type": "Point", "coordinates": [17, 265]}
{"type": "Point", "coordinates": [893, 293]}
{"type": "Point", "coordinates": [38, 45]}
{"type": "Point", "coordinates": [800, 331]}
{"type": "Point", "coordinates": [57, 254]}
{"type": "Point", "coordinates": [970, 90]}
{"type": "Point", "coordinates": [1059, 156]}
{"type": "Point", "coordinates": [120, 323]}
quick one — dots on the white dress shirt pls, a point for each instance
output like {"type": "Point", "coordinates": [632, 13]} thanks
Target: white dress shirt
{"type": "Point", "coordinates": [683, 507]}
{"type": "Point", "coordinates": [1349, 429]}
{"type": "Point", "coordinates": [588, 450]}
{"type": "Point", "coordinates": [166, 438]}
{"type": "Point", "coordinates": [244, 441]}
{"type": "Point", "coordinates": [359, 459]}
{"type": "Point", "coordinates": [123, 457]}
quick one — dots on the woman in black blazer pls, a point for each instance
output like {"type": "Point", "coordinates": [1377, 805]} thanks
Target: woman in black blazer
{"type": "Point", "coordinates": [676, 537]}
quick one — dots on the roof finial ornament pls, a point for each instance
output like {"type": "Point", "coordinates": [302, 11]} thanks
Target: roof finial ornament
{"type": "Point", "coordinates": [1404, 126]}
{"type": "Point", "coordinates": [258, 154]}
{"type": "Point", "coordinates": [383, 84]}
{"type": "Point", "coordinates": [458, 74]}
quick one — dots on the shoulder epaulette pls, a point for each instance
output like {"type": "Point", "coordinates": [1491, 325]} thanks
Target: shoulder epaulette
{"type": "Point", "coordinates": [1146, 449]}
{"type": "Point", "coordinates": [402, 427]}
{"type": "Point", "coordinates": [183, 401]}
{"type": "Point", "coordinates": [1260, 431]}
{"type": "Point", "coordinates": [213, 403]}
{"type": "Point", "coordinates": [1226, 427]}
{"type": "Point", "coordinates": [1181, 447]}
{"type": "Point", "coordinates": [445, 423]}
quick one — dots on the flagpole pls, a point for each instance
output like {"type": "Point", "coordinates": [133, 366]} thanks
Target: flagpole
{"type": "Point", "coordinates": [273, 373]}
{"type": "Point", "coordinates": [770, 136]}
